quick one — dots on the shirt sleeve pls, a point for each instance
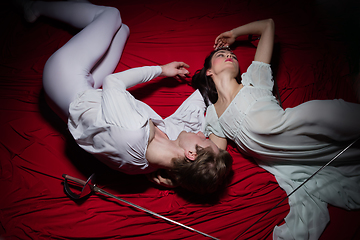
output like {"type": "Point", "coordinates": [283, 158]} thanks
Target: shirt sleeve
{"type": "Point", "coordinates": [118, 105]}
{"type": "Point", "coordinates": [212, 125]}
{"type": "Point", "coordinates": [259, 75]}
{"type": "Point", "coordinates": [188, 117]}
{"type": "Point", "coordinates": [131, 77]}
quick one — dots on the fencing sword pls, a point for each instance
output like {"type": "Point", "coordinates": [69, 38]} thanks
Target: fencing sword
{"type": "Point", "coordinates": [302, 184]}
{"type": "Point", "coordinates": [89, 186]}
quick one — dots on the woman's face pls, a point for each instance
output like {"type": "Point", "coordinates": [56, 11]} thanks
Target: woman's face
{"type": "Point", "coordinates": [224, 60]}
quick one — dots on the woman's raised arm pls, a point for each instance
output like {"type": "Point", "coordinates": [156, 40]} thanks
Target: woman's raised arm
{"type": "Point", "coordinates": [264, 28]}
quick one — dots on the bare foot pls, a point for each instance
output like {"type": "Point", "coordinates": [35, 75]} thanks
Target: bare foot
{"type": "Point", "coordinates": [27, 8]}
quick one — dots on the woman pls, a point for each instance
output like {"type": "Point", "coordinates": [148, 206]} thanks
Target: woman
{"type": "Point", "coordinates": [290, 143]}
{"type": "Point", "coordinates": [110, 123]}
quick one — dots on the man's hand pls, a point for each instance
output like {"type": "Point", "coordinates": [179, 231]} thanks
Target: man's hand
{"type": "Point", "coordinates": [175, 69]}
{"type": "Point", "coordinates": [161, 178]}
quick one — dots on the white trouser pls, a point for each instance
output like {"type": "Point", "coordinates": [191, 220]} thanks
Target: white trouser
{"type": "Point", "coordinates": [88, 57]}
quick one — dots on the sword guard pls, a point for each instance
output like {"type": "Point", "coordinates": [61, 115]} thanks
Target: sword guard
{"type": "Point", "coordinates": [87, 189]}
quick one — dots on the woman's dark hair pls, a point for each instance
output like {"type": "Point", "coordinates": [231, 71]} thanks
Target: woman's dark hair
{"type": "Point", "coordinates": [205, 83]}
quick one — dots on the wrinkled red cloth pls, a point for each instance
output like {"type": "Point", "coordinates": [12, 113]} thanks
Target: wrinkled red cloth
{"type": "Point", "coordinates": [312, 60]}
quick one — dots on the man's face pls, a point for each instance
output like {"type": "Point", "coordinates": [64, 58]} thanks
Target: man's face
{"type": "Point", "coordinates": [188, 142]}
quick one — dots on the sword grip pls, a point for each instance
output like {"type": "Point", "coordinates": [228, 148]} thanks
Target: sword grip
{"type": "Point", "coordinates": [77, 180]}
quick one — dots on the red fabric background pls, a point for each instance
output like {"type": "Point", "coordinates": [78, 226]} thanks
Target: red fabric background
{"type": "Point", "coordinates": [315, 41]}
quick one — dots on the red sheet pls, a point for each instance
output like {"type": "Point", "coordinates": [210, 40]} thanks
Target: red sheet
{"type": "Point", "coordinates": [314, 45]}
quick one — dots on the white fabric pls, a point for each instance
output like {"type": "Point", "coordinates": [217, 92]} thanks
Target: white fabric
{"type": "Point", "coordinates": [114, 126]}
{"type": "Point", "coordinates": [282, 141]}
{"type": "Point", "coordinates": [107, 122]}
{"type": "Point", "coordinates": [88, 57]}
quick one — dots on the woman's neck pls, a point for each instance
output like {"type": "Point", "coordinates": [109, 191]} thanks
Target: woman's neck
{"type": "Point", "coordinates": [227, 88]}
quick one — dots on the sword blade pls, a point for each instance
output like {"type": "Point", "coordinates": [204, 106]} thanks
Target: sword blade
{"type": "Point", "coordinates": [99, 190]}
{"type": "Point", "coordinates": [302, 184]}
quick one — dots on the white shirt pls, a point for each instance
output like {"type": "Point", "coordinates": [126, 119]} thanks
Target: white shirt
{"type": "Point", "coordinates": [287, 145]}
{"type": "Point", "coordinates": [114, 126]}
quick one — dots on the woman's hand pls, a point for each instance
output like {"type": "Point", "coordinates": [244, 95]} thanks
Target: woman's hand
{"type": "Point", "coordinates": [175, 69]}
{"type": "Point", "coordinates": [264, 28]}
{"type": "Point", "coordinates": [225, 39]}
